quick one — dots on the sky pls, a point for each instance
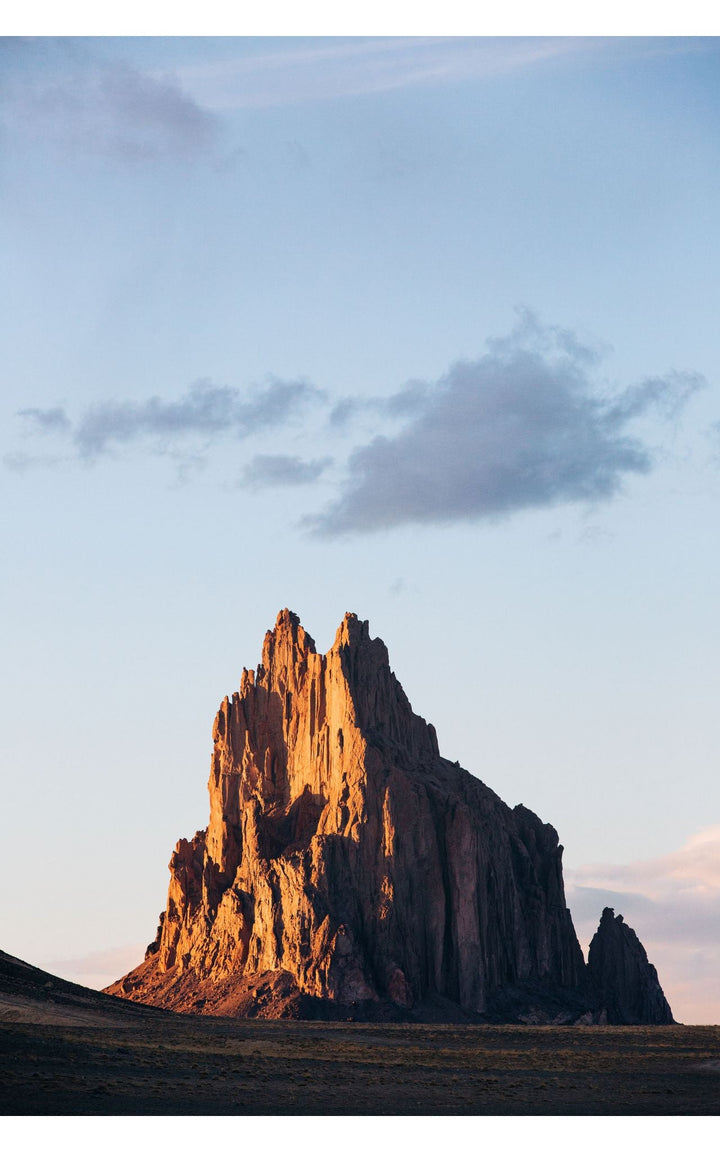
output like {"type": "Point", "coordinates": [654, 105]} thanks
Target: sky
{"type": "Point", "coordinates": [422, 328]}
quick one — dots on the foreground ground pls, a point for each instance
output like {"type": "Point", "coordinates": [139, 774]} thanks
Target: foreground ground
{"type": "Point", "coordinates": [66, 1050]}
{"type": "Point", "coordinates": [208, 1066]}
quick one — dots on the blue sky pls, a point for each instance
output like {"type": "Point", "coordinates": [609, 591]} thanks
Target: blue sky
{"type": "Point", "coordinates": [423, 329]}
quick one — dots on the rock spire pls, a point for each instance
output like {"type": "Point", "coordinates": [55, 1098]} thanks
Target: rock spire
{"type": "Point", "coordinates": [626, 982]}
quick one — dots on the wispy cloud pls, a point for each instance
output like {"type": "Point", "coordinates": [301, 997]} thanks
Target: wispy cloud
{"type": "Point", "coordinates": [322, 70]}
{"type": "Point", "coordinates": [524, 426]}
{"type": "Point", "coordinates": [673, 903]}
{"type": "Point", "coordinates": [406, 402]}
{"type": "Point", "coordinates": [28, 461]}
{"type": "Point", "coordinates": [61, 94]}
{"type": "Point", "coordinates": [206, 411]}
{"type": "Point", "coordinates": [307, 69]}
{"type": "Point", "coordinates": [282, 471]}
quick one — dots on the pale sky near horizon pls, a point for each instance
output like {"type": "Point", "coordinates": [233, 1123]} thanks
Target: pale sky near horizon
{"type": "Point", "coordinates": [423, 329]}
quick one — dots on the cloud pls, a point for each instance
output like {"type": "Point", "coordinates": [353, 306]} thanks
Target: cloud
{"type": "Point", "coordinates": [522, 427]}
{"type": "Point", "coordinates": [58, 92]}
{"type": "Point", "coordinates": [26, 461]}
{"type": "Point", "coordinates": [345, 410]}
{"type": "Point", "coordinates": [334, 68]}
{"type": "Point", "coordinates": [46, 419]}
{"type": "Point", "coordinates": [306, 69]}
{"type": "Point", "coordinates": [205, 410]}
{"type": "Point", "coordinates": [282, 471]}
{"type": "Point", "coordinates": [673, 903]}
{"type": "Point", "coordinates": [694, 870]}
{"type": "Point", "coordinates": [527, 425]}
{"type": "Point", "coordinates": [667, 394]}
{"type": "Point", "coordinates": [98, 969]}
{"type": "Point", "coordinates": [409, 400]}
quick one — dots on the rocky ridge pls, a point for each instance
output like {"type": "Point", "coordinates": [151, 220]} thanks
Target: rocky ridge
{"type": "Point", "coordinates": [349, 870]}
{"type": "Point", "coordinates": [29, 994]}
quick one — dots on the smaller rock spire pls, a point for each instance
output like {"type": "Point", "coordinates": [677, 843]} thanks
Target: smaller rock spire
{"type": "Point", "coordinates": [625, 980]}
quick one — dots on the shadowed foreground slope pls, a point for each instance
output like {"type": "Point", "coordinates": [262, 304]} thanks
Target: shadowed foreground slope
{"type": "Point", "coordinates": [29, 994]}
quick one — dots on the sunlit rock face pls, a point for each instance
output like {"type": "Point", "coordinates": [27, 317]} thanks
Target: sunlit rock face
{"type": "Point", "coordinates": [347, 865]}
{"type": "Point", "coordinates": [626, 982]}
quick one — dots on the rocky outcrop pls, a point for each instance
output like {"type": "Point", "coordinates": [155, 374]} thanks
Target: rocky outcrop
{"type": "Point", "coordinates": [348, 868]}
{"type": "Point", "coordinates": [625, 981]}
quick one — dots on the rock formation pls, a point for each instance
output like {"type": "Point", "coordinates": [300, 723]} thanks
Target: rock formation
{"type": "Point", "coordinates": [349, 869]}
{"type": "Point", "coordinates": [626, 982]}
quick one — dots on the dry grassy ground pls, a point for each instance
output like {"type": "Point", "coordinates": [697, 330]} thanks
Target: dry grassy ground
{"type": "Point", "coordinates": [168, 1065]}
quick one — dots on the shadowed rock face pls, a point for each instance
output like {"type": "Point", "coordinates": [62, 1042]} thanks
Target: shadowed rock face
{"type": "Point", "coordinates": [626, 982]}
{"type": "Point", "coordinates": [346, 864]}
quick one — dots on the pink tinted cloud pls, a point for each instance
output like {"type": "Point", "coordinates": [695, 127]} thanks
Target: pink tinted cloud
{"type": "Point", "coordinates": [673, 903]}
{"type": "Point", "coordinates": [98, 969]}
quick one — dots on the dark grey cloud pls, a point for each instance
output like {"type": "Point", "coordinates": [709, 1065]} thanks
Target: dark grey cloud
{"type": "Point", "coordinates": [666, 395]}
{"type": "Point", "coordinates": [344, 411]}
{"type": "Point", "coordinates": [409, 400]}
{"type": "Point", "coordinates": [674, 897]}
{"type": "Point", "coordinates": [60, 92]}
{"type": "Point", "coordinates": [282, 471]}
{"type": "Point", "coordinates": [46, 419]}
{"type": "Point", "coordinates": [587, 904]}
{"type": "Point", "coordinates": [682, 917]}
{"type": "Point", "coordinates": [206, 410]}
{"type": "Point", "coordinates": [524, 426]}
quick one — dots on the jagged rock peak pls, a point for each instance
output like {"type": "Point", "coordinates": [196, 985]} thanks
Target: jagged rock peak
{"type": "Point", "coordinates": [287, 639]}
{"type": "Point", "coordinates": [351, 631]}
{"type": "Point", "coordinates": [625, 980]}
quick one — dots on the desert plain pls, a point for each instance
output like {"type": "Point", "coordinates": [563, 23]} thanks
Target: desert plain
{"type": "Point", "coordinates": [66, 1054]}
